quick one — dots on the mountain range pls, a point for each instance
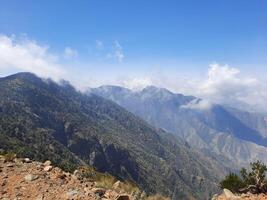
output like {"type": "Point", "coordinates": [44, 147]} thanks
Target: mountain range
{"type": "Point", "coordinates": [43, 120]}
{"type": "Point", "coordinates": [237, 137]}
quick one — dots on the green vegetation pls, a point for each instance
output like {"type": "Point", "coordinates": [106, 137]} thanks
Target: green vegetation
{"type": "Point", "coordinates": [252, 180]}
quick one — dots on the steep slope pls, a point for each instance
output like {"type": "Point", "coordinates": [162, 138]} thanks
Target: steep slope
{"type": "Point", "coordinates": [211, 129]}
{"type": "Point", "coordinates": [256, 121]}
{"type": "Point", "coordinates": [41, 119]}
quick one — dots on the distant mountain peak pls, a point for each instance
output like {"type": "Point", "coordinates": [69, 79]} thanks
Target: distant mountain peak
{"type": "Point", "coordinates": [23, 75]}
{"type": "Point", "coordinates": [113, 87]}
{"type": "Point", "coordinates": [154, 89]}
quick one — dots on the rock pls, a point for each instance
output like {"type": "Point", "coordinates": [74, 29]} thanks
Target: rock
{"type": "Point", "coordinates": [215, 197]}
{"type": "Point", "coordinates": [17, 160]}
{"type": "Point", "coordinates": [229, 195]}
{"type": "Point", "coordinates": [47, 163]}
{"type": "Point", "coordinates": [27, 160]}
{"type": "Point", "coordinates": [72, 193]}
{"type": "Point", "coordinates": [10, 165]}
{"type": "Point", "coordinates": [4, 182]}
{"type": "Point", "coordinates": [245, 195]}
{"type": "Point", "coordinates": [110, 194]}
{"type": "Point", "coordinates": [48, 168]}
{"type": "Point", "coordinates": [30, 177]}
{"type": "Point", "coordinates": [76, 174]}
{"type": "Point", "coordinates": [123, 197]}
{"type": "Point", "coordinates": [99, 191]}
{"type": "Point", "coordinates": [40, 197]}
{"type": "Point", "coordinates": [61, 176]}
{"type": "Point", "coordinates": [116, 185]}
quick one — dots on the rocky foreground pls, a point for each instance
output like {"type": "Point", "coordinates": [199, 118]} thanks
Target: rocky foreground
{"type": "Point", "coordinates": [228, 195]}
{"type": "Point", "coordinates": [25, 179]}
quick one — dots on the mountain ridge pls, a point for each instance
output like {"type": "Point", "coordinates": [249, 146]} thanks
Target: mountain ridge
{"type": "Point", "coordinates": [100, 133]}
{"type": "Point", "coordinates": [200, 127]}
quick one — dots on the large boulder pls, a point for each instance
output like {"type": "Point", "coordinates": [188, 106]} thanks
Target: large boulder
{"type": "Point", "coordinates": [229, 195]}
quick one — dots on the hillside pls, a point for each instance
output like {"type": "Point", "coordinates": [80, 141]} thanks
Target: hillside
{"type": "Point", "coordinates": [44, 120]}
{"type": "Point", "coordinates": [236, 137]}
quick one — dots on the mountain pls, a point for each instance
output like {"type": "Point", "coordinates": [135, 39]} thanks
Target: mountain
{"type": "Point", "coordinates": [236, 136]}
{"type": "Point", "coordinates": [42, 120]}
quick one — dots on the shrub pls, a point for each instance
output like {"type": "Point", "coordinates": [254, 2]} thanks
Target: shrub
{"type": "Point", "coordinates": [232, 182]}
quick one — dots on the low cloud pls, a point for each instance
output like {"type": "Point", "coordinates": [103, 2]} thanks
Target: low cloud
{"type": "Point", "coordinates": [70, 53]}
{"type": "Point", "coordinates": [198, 104]}
{"type": "Point", "coordinates": [22, 54]}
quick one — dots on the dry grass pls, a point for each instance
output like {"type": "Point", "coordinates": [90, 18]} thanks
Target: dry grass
{"type": "Point", "coordinates": [9, 157]}
{"type": "Point", "coordinates": [104, 180]}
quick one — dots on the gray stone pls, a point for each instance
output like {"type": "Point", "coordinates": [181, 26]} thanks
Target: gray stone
{"type": "Point", "coordinates": [47, 163]}
{"type": "Point", "coordinates": [229, 195]}
{"type": "Point", "coordinates": [10, 165]}
{"type": "Point", "coordinates": [123, 197]}
{"type": "Point", "coordinates": [99, 191]}
{"type": "Point", "coordinates": [215, 197]}
{"type": "Point", "coordinates": [48, 168]}
{"type": "Point", "coordinates": [27, 160]}
{"type": "Point", "coordinates": [30, 177]}
{"type": "Point", "coordinates": [72, 193]}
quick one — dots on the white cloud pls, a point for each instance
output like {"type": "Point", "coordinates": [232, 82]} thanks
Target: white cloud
{"type": "Point", "coordinates": [70, 53]}
{"type": "Point", "coordinates": [117, 53]}
{"type": "Point", "coordinates": [226, 85]}
{"type": "Point", "coordinates": [22, 54]}
{"type": "Point", "coordinates": [99, 44]}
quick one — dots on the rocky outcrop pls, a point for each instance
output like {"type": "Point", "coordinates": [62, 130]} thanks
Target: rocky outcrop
{"type": "Point", "coordinates": [26, 179]}
{"type": "Point", "coordinates": [228, 195]}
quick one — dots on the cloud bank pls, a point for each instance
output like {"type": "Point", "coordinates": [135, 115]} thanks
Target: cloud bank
{"type": "Point", "coordinates": [226, 85]}
{"type": "Point", "coordinates": [22, 54]}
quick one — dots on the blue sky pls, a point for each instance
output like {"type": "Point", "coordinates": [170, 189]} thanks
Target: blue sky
{"type": "Point", "coordinates": [189, 31]}
{"type": "Point", "coordinates": [170, 43]}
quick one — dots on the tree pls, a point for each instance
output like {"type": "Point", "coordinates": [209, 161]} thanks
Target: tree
{"type": "Point", "coordinates": [253, 180]}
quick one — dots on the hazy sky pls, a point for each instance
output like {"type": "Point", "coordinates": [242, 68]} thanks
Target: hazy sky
{"type": "Point", "coordinates": [174, 44]}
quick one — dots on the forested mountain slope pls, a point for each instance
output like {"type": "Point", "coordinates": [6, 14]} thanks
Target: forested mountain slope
{"type": "Point", "coordinates": [44, 120]}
